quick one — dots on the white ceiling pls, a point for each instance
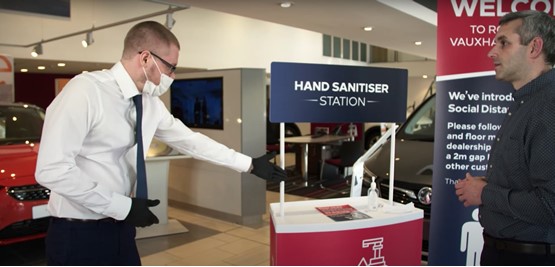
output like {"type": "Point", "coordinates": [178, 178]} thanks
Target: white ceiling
{"type": "Point", "coordinates": [392, 29]}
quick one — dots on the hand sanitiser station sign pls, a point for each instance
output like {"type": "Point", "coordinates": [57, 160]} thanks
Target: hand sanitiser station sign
{"type": "Point", "coordinates": [302, 92]}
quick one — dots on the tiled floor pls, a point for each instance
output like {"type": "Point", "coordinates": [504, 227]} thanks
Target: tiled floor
{"type": "Point", "coordinates": [213, 242]}
{"type": "Point", "coordinates": [209, 242]}
{"type": "Point", "coordinates": [224, 243]}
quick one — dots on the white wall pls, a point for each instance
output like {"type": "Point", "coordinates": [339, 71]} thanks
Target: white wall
{"type": "Point", "coordinates": [209, 39]}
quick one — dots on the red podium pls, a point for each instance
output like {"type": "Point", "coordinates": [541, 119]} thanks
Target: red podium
{"type": "Point", "coordinates": [343, 231]}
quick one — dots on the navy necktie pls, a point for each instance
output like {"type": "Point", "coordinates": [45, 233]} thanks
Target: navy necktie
{"type": "Point", "coordinates": [141, 169]}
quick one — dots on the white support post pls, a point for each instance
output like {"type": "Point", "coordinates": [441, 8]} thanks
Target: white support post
{"type": "Point", "coordinates": [282, 164]}
{"type": "Point", "coordinates": [392, 164]}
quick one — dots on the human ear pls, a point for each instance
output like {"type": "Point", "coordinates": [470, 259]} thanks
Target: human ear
{"type": "Point", "coordinates": [143, 58]}
{"type": "Point", "coordinates": [536, 47]}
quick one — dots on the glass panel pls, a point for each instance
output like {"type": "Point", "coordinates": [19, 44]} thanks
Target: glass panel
{"type": "Point", "coordinates": [354, 52]}
{"type": "Point", "coordinates": [326, 43]}
{"type": "Point", "coordinates": [363, 56]}
{"type": "Point", "coordinates": [19, 124]}
{"type": "Point", "coordinates": [420, 126]}
{"type": "Point", "coordinates": [378, 54]}
{"type": "Point", "coordinates": [346, 48]}
{"type": "Point", "coordinates": [336, 47]}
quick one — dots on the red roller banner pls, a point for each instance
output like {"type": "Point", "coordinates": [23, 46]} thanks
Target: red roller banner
{"type": "Point", "coordinates": [470, 106]}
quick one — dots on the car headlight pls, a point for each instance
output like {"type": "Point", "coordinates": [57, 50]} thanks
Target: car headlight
{"type": "Point", "coordinates": [425, 195]}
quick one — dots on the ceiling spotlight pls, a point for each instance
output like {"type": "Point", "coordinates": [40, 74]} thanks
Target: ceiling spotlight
{"type": "Point", "coordinates": [37, 50]}
{"type": "Point", "coordinates": [169, 21]}
{"type": "Point", "coordinates": [418, 43]}
{"type": "Point", "coordinates": [88, 39]}
{"type": "Point", "coordinates": [286, 4]}
{"type": "Point", "coordinates": [368, 28]}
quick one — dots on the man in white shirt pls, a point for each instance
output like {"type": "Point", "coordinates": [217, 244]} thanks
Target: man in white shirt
{"type": "Point", "coordinates": [87, 156]}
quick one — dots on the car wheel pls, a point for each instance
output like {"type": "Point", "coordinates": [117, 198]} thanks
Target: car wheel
{"type": "Point", "coordinates": [371, 137]}
{"type": "Point", "coordinates": [292, 129]}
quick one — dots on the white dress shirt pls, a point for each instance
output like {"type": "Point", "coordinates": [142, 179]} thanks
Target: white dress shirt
{"type": "Point", "coordinates": [87, 154]}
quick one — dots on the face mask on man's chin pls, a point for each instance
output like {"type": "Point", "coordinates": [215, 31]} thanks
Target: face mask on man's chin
{"type": "Point", "coordinates": [157, 90]}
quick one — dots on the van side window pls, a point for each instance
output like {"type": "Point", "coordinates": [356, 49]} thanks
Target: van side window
{"type": "Point", "coordinates": [422, 123]}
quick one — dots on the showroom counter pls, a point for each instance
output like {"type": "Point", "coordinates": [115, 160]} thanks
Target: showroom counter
{"type": "Point", "coordinates": [343, 231]}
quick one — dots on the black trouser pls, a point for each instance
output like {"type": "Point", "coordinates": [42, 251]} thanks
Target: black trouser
{"type": "Point", "coordinates": [496, 252]}
{"type": "Point", "coordinates": [103, 242]}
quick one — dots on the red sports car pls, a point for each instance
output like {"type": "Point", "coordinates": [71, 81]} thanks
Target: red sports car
{"type": "Point", "coordinates": [23, 214]}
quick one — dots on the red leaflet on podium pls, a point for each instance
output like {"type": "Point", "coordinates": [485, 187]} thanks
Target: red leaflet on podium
{"type": "Point", "coordinates": [342, 213]}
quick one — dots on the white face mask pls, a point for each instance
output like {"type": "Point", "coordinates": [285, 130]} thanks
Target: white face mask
{"type": "Point", "coordinates": [157, 90]}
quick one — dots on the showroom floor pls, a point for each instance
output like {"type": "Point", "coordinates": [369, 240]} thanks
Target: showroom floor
{"type": "Point", "coordinates": [209, 241]}
{"type": "Point", "coordinates": [217, 242]}
{"type": "Point", "coordinates": [214, 242]}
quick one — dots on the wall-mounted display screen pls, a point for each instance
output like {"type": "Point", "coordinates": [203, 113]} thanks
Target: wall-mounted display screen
{"type": "Point", "coordinates": [60, 8]}
{"type": "Point", "coordinates": [198, 102]}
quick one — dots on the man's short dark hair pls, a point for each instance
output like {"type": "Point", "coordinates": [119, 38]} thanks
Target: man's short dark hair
{"type": "Point", "coordinates": [535, 24]}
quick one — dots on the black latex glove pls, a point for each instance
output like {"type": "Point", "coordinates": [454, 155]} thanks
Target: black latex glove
{"type": "Point", "coordinates": [140, 214]}
{"type": "Point", "coordinates": [263, 168]}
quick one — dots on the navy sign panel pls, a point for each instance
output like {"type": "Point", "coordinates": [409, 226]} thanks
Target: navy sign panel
{"type": "Point", "coordinates": [302, 92]}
